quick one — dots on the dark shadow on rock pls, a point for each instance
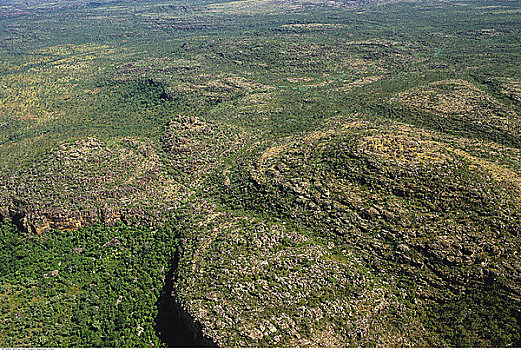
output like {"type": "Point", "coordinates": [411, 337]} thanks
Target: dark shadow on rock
{"type": "Point", "coordinates": [174, 326]}
{"type": "Point", "coordinates": [17, 220]}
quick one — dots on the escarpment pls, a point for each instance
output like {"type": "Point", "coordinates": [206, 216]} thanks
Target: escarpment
{"type": "Point", "coordinates": [87, 182]}
{"type": "Point", "coordinates": [366, 232]}
{"type": "Point", "coordinates": [260, 174]}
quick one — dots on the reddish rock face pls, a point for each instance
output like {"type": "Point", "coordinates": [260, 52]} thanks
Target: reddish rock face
{"type": "Point", "coordinates": [89, 182]}
{"type": "Point", "coordinates": [42, 221]}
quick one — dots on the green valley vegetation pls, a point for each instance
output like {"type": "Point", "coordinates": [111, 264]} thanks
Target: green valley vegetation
{"type": "Point", "coordinates": [96, 286]}
{"type": "Point", "coordinates": [260, 173]}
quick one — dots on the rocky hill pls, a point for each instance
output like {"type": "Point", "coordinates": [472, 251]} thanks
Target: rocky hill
{"type": "Point", "coordinates": [260, 173]}
{"type": "Point", "coordinates": [367, 233]}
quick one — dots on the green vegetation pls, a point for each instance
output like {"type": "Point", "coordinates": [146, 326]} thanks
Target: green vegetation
{"type": "Point", "coordinates": [341, 173]}
{"type": "Point", "coordinates": [96, 286]}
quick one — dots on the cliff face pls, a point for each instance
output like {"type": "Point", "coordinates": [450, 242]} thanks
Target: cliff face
{"type": "Point", "coordinates": [43, 220]}
{"type": "Point", "coordinates": [89, 182]}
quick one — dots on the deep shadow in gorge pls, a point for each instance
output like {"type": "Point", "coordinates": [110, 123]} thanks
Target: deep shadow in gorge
{"type": "Point", "coordinates": [174, 326]}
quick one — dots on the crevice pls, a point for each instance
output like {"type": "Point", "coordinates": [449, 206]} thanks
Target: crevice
{"type": "Point", "coordinates": [174, 326]}
{"type": "Point", "coordinates": [17, 220]}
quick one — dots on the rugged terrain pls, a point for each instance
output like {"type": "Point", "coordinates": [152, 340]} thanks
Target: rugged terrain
{"type": "Point", "coordinates": [260, 173]}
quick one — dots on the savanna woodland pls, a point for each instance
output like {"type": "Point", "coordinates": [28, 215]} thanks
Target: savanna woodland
{"type": "Point", "coordinates": [247, 173]}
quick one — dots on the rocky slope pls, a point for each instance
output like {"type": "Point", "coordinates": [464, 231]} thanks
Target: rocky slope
{"type": "Point", "coordinates": [369, 233]}
{"type": "Point", "coordinates": [86, 182]}
{"type": "Point", "coordinates": [336, 175]}
{"type": "Point", "coordinates": [365, 232]}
